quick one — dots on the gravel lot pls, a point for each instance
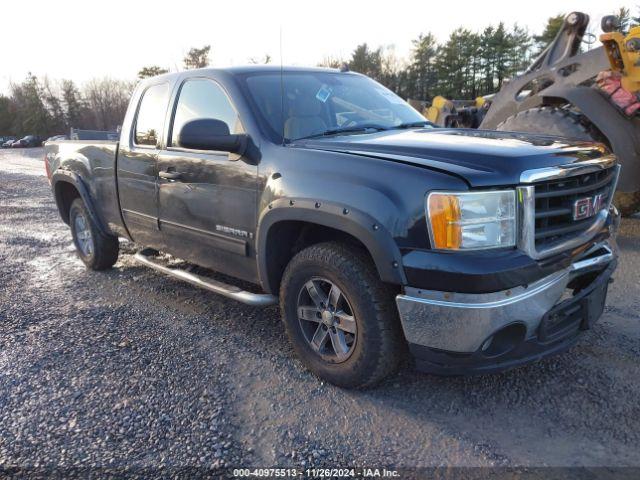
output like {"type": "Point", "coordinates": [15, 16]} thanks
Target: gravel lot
{"type": "Point", "coordinates": [129, 368]}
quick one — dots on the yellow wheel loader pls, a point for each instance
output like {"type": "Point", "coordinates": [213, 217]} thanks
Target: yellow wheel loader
{"type": "Point", "coordinates": [589, 95]}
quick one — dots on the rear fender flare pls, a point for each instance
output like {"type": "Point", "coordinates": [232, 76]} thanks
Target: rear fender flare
{"type": "Point", "coordinates": [375, 237]}
{"type": "Point", "coordinates": [66, 176]}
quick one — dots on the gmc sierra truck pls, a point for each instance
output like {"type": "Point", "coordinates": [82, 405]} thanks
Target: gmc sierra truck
{"type": "Point", "coordinates": [377, 233]}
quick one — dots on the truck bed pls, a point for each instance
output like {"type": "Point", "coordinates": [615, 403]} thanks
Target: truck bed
{"type": "Point", "coordinates": [95, 162]}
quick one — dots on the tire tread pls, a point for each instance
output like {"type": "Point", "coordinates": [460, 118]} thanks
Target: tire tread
{"type": "Point", "coordinates": [106, 248]}
{"type": "Point", "coordinates": [358, 268]}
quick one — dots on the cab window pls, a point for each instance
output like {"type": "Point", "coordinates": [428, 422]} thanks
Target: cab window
{"type": "Point", "coordinates": [151, 115]}
{"type": "Point", "coordinates": [202, 98]}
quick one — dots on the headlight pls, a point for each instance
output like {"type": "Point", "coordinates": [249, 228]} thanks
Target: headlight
{"type": "Point", "coordinates": [472, 220]}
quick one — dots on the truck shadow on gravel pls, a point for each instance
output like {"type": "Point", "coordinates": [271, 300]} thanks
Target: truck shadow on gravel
{"type": "Point", "coordinates": [132, 367]}
{"type": "Point", "coordinates": [568, 401]}
{"type": "Point", "coordinates": [559, 406]}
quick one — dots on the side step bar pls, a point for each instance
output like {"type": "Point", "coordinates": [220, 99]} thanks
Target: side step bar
{"type": "Point", "coordinates": [229, 291]}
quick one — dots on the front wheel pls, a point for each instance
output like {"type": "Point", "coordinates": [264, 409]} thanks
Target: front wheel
{"type": "Point", "coordinates": [97, 250]}
{"type": "Point", "coordinates": [339, 316]}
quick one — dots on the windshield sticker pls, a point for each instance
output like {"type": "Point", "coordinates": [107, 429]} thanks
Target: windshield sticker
{"type": "Point", "coordinates": [390, 96]}
{"type": "Point", "coordinates": [323, 94]}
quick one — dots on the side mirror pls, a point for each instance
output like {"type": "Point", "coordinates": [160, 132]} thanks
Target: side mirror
{"type": "Point", "coordinates": [211, 134]}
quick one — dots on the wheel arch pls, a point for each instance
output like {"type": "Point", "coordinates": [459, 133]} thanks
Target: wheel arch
{"type": "Point", "coordinates": [288, 225]}
{"type": "Point", "coordinates": [68, 186]}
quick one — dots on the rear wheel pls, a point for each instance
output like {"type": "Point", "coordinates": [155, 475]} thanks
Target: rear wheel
{"type": "Point", "coordinates": [565, 123]}
{"type": "Point", "coordinates": [339, 316]}
{"type": "Point", "coordinates": [96, 250]}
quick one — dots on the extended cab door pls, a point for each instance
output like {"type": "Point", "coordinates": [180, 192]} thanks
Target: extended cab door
{"type": "Point", "coordinates": [137, 166]}
{"type": "Point", "coordinates": [207, 199]}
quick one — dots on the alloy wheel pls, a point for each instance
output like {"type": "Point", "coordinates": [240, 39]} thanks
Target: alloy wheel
{"type": "Point", "coordinates": [327, 320]}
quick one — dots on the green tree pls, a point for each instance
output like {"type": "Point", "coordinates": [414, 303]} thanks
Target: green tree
{"type": "Point", "coordinates": [366, 61]}
{"type": "Point", "coordinates": [457, 64]}
{"type": "Point", "coordinates": [422, 69]}
{"type": "Point", "coordinates": [623, 16]}
{"type": "Point", "coordinates": [551, 29]}
{"type": "Point", "coordinates": [52, 102]}
{"type": "Point", "coordinates": [520, 45]}
{"type": "Point", "coordinates": [151, 71]}
{"type": "Point", "coordinates": [31, 115]}
{"type": "Point", "coordinates": [6, 116]}
{"type": "Point", "coordinates": [197, 57]}
{"type": "Point", "coordinates": [75, 110]}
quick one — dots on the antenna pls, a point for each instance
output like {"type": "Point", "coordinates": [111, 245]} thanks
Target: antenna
{"type": "Point", "coordinates": [281, 87]}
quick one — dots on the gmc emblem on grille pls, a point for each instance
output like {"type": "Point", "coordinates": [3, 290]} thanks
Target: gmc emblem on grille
{"type": "Point", "coordinates": [587, 207]}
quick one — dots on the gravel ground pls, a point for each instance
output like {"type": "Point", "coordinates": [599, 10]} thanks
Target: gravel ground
{"type": "Point", "coordinates": [130, 369]}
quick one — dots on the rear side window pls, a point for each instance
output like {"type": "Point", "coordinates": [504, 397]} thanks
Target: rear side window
{"type": "Point", "coordinates": [151, 115]}
{"type": "Point", "coordinates": [202, 98]}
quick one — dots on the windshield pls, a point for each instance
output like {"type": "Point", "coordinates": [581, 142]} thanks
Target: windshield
{"type": "Point", "coordinates": [325, 103]}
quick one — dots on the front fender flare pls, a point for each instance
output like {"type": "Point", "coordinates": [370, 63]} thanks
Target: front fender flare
{"type": "Point", "coordinates": [67, 176]}
{"type": "Point", "coordinates": [375, 237]}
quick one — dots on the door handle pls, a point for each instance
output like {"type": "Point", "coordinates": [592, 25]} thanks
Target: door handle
{"type": "Point", "coordinates": [170, 175]}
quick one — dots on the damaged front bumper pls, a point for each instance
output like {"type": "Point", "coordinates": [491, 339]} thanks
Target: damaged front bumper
{"type": "Point", "coordinates": [461, 333]}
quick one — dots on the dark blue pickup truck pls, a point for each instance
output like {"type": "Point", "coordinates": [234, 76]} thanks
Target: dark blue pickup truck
{"type": "Point", "coordinates": [378, 233]}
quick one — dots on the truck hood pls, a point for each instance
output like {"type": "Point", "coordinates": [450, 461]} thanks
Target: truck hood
{"type": "Point", "coordinates": [482, 157]}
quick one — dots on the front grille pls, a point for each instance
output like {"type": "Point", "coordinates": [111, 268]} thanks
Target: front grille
{"type": "Point", "coordinates": [554, 202]}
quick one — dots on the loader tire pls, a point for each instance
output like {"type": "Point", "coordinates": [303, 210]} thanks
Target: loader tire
{"type": "Point", "coordinates": [565, 123]}
{"type": "Point", "coordinates": [550, 121]}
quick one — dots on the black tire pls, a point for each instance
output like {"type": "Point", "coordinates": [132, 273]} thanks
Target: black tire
{"type": "Point", "coordinates": [377, 346]}
{"type": "Point", "coordinates": [565, 123]}
{"type": "Point", "coordinates": [104, 249]}
{"type": "Point", "coordinates": [550, 121]}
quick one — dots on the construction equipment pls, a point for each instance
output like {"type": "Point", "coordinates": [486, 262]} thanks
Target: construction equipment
{"type": "Point", "coordinates": [457, 113]}
{"type": "Point", "coordinates": [589, 95]}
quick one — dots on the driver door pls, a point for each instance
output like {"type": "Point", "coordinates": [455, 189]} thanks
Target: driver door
{"type": "Point", "coordinates": [207, 199]}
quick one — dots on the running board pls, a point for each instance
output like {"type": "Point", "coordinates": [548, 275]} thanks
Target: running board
{"type": "Point", "coordinates": [229, 291]}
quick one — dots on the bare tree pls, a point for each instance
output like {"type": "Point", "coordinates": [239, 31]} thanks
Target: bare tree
{"type": "Point", "coordinates": [107, 100]}
{"type": "Point", "coordinates": [255, 61]}
{"type": "Point", "coordinates": [331, 62]}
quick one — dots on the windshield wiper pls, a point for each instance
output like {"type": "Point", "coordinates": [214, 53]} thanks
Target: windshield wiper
{"type": "Point", "coordinates": [421, 123]}
{"type": "Point", "coordinates": [338, 131]}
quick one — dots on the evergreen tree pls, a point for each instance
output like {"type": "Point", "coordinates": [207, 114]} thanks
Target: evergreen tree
{"type": "Point", "coordinates": [366, 61]}
{"type": "Point", "coordinates": [6, 116]}
{"type": "Point", "coordinates": [52, 102]}
{"type": "Point", "coordinates": [197, 58]}
{"type": "Point", "coordinates": [520, 47]}
{"type": "Point", "coordinates": [623, 16]}
{"type": "Point", "coordinates": [74, 109]}
{"type": "Point", "coordinates": [30, 114]}
{"type": "Point", "coordinates": [422, 70]}
{"type": "Point", "coordinates": [551, 29]}
{"type": "Point", "coordinates": [151, 71]}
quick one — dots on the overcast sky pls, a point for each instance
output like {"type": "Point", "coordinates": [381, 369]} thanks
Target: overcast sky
{"type": "Point", "coordinates": [85, 39]}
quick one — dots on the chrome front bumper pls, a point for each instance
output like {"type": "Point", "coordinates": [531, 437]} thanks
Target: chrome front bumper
{"type": "Point", "coordinates": [462, 322]}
